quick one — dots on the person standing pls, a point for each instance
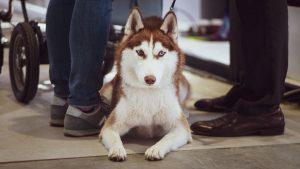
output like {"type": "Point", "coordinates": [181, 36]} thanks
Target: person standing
{"type": "Point", "coordinates": [252, 106]}
{"type": "Point", "coordinates": [77, 32]}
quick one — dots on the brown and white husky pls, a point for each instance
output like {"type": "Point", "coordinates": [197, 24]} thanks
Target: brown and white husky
{"type": "Point", "coordinates": [149, 88]}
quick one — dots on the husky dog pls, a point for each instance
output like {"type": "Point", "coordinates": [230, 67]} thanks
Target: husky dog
{"type": "Point", "coordinates": [149, 88]}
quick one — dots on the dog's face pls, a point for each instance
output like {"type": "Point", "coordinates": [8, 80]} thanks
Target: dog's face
{"type": "Point", "coordinates": [149, 57]}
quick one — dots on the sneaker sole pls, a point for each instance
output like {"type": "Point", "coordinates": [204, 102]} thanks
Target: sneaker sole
{"type": "Point", "coordinates": [57, 122]}
{"type": "Point", "coordinates": [80, 133]}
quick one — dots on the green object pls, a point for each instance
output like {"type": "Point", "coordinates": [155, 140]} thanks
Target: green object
{"type": "Point", "coordinates": [201, 38]}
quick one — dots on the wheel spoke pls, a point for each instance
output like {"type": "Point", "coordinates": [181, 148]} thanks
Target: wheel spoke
{"type": "Point", "coordinates": [22, 63]}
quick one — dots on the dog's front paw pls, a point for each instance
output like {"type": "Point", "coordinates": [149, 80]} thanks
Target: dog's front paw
{"type": "Point", "coordinates": [117, 153]}
{"type": "Point", "coordinates": [154, 153]}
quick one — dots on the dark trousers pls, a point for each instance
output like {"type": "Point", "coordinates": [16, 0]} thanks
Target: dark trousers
{"type": "Point", "coordinates": [259, 42]}
{"type": "Point", "coordinates": [77, 32]}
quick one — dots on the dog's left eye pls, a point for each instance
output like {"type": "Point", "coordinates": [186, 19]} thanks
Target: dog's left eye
{"type": "Point", "coordinates": [161, 53]}
{"type": "Point", "coordinates": [141, 53]}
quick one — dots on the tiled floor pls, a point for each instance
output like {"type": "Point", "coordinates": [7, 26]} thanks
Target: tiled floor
{"type": "Point", "coordinates": [266, 157]}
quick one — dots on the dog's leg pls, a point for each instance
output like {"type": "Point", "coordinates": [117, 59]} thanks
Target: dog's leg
{"type": "Point", "coordinates": [111, 138]}
{"type": "Point", "coordinates": [112, 141]}
{"type": "Point", "coordinates": [177, 137]}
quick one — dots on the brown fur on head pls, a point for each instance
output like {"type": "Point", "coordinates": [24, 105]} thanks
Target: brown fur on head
{"type": "Point", "coordinates": [138, 30]}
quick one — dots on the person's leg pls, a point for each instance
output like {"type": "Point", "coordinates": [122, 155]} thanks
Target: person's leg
{"type": "Point", "coordinates": [264, 43]}
{"type": "Point", "coordinates": [88, 37]}
{"type": "Point", "coordinates": [265, 49]}
{"type": "Point", "coordinates": [58, 20]}
{"type": "Point", "coordinates": [261, 46]}
{"type": "Point", "coordinates": [226, 102]}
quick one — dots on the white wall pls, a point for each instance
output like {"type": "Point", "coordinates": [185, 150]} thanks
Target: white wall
{"type": "Point", "coordinates": [294, 43]}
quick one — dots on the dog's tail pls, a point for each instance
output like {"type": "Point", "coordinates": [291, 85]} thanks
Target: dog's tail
{"type": "Point", "coordinates": [107, 89]}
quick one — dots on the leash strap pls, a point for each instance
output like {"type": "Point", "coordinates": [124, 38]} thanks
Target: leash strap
{"type": "Point", "coordinates": [135, 3]}
{"type": "Point", "coordinates": [172, 6]}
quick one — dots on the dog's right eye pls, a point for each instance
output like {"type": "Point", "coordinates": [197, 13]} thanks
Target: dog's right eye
{"type": "Point", "coordinates": [141, 53]}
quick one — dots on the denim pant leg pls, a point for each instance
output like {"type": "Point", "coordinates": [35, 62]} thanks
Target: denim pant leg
{"type": "Point", "coordinates": [58, 21]}
{"type": "Point", "coordinates": [88, 37]}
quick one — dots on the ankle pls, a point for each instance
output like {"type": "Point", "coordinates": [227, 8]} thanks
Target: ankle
{"type": "Point", "coordinates": [86, 109]}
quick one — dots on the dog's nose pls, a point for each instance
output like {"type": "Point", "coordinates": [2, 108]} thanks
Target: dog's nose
{"type": "Point", "coordinates": [150, 79]}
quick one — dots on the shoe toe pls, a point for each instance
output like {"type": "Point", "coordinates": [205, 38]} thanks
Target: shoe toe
{"type": "Point", "coordinates": [201, 127]}
{"type": "Point", "coordinates": [202, 104]}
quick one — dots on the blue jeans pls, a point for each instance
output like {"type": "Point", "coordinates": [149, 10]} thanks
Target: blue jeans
{"type": "Point", "coordinates": [77, 32]}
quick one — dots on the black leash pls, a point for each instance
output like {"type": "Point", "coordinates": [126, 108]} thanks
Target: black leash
{"type": "Point", "coordinates": [136, 4]}
{"type": "Point", "coordinates": [172, 6]}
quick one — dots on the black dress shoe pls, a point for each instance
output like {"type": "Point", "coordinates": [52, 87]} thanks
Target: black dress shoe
{"type": "Point", "coordinates": [235, 124]}
{"type": "Point", "coordinates": [213, 105]}
{"type": "Point", "coordinates": [221, 104]}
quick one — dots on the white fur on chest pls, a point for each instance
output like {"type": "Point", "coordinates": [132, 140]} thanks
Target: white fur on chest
{"type": "Point", "coordinates": [149, 107]}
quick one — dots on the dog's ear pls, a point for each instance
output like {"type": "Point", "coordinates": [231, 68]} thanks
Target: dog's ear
{"type": "Point", "coordinates": [169, 26]}
{"type": "Point", "coordinates": [134, 22]}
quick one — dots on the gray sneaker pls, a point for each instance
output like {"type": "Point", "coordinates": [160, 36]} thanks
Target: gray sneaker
{"type": "Point", "coordinates": [78, 123]}
{"type": "Point", "coordinates": [58, 110]}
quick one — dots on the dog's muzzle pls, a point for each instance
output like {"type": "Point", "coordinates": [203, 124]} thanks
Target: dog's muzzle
{"type": "Point", "coordinates": [150, 79]}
